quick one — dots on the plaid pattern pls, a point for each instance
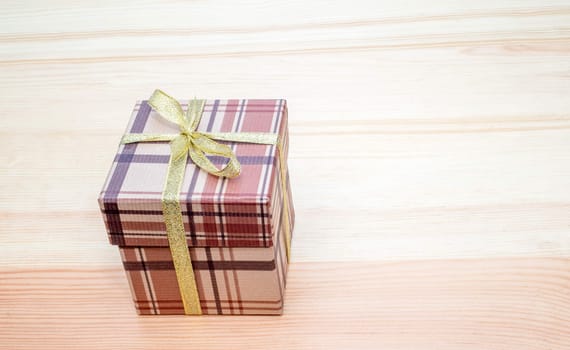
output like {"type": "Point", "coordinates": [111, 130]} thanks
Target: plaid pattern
{"type": "Point", "coordinates": [234, 228]}
{"type": "Point", "coordinates": [230, 281]}
{"type": "Point", "coordinates": [217, 212]}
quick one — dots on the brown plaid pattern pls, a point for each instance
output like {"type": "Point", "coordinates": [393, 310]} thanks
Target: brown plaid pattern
{"type": "Point", "coordinates": [217, 212]}
{"type": "Point", "coordinates": [233, 227]}
{"type": "Point", "coordinates": [230, 281]}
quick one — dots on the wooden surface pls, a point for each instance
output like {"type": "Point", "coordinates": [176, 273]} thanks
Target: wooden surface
{"type": "Point", "coordinates": [430, 162]}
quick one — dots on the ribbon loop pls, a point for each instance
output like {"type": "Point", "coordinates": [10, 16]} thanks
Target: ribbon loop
{"type": "Point", "coordinates": [168, 108]}
{"type": "Point", "coordinates": [230, 170]}
{"type": "Point", "coordinates": [194, 113]}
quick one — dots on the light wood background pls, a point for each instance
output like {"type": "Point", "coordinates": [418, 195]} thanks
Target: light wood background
{"type": "Point", "coordinates": [430, 163]}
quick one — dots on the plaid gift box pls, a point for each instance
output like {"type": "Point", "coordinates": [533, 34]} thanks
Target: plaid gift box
{"type": "Point", "coordinates": [235, 228]}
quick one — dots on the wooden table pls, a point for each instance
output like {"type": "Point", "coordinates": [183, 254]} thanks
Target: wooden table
{"type": "Point", "coordinates": [430, 161]}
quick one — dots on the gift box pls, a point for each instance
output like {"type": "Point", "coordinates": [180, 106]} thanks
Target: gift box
{"type": "Point", "coordinates": [235, 230]}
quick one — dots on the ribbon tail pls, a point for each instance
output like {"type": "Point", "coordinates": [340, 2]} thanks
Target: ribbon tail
{"type": "Point", "coordinates": [177, 234]}
{"type": "Point", "coordinates": [168, 107]}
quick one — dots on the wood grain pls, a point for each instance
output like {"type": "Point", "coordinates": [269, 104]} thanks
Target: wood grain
{"type": "Point", "coordinates": [429, 161]}
{"type": "Point", "coordinates": [453, 304]}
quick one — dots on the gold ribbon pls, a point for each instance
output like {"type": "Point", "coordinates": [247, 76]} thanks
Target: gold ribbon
{"type": "Point", "coordinates": [196, 144]}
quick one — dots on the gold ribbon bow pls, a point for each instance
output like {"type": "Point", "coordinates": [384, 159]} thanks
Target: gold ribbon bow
{"type": "Point", "coordinates": [196, 144]}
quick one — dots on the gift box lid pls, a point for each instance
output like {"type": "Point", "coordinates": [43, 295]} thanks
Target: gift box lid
{"type": "Point", "coordinates": [217, 212]}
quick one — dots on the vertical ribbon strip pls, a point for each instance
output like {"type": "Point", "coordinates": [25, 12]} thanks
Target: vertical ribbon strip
{"type": "Point", "coordinates": [196, 144]}
{"type": "Point", "coordinates": [285, 192]}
